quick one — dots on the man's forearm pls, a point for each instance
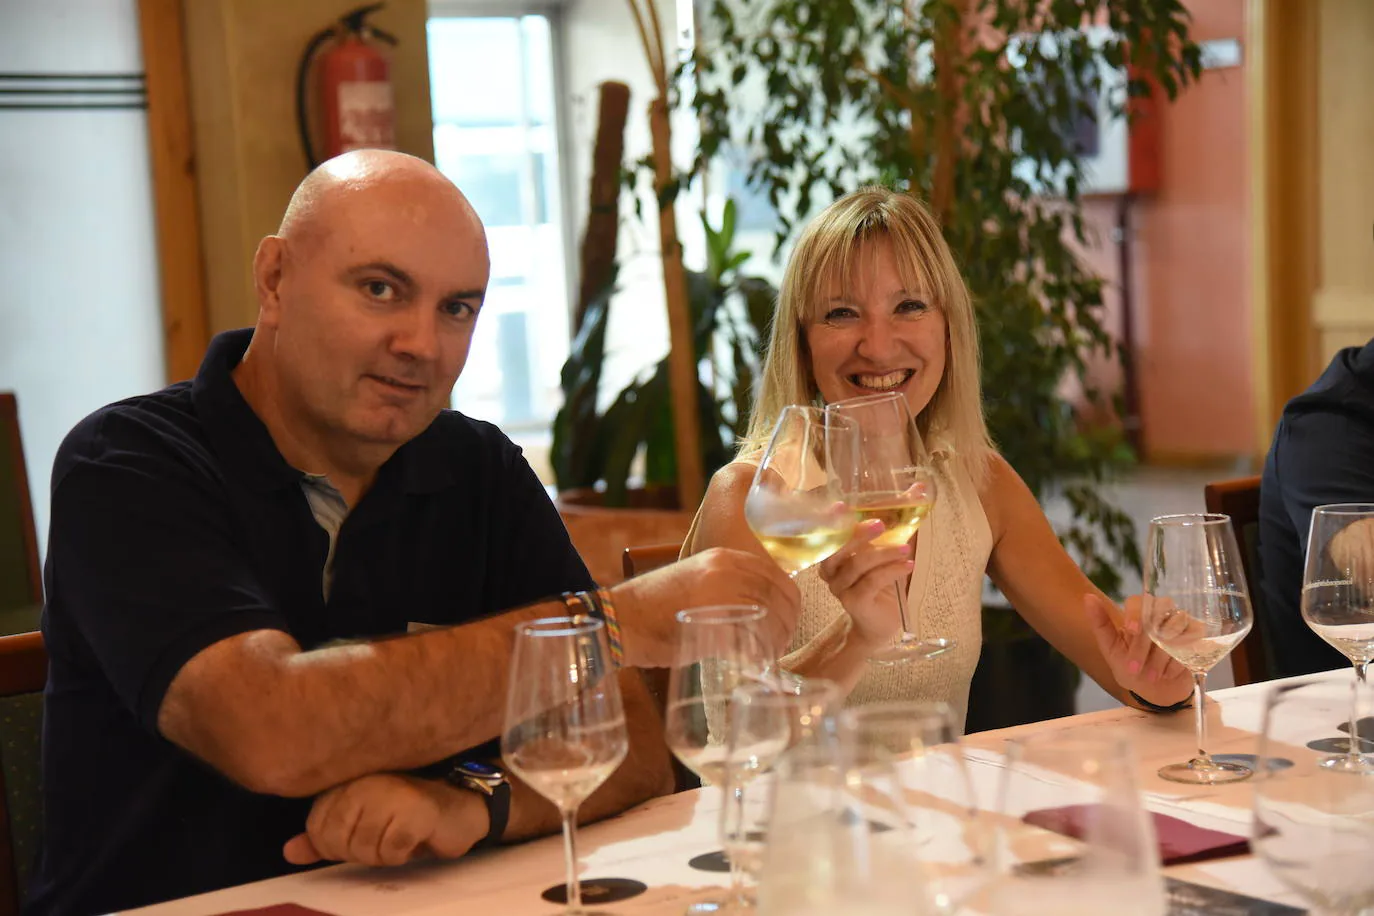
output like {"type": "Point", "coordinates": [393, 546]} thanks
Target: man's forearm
{"type": "Point", "coordinates": [337, 713]}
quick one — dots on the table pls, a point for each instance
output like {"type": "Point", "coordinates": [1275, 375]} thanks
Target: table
{"type": "Point", "coordinates": [654, 841]}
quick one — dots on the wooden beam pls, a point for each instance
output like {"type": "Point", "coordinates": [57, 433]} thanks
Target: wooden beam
{"type": "Point", "coordinates": [1281, 82]}
{"type": "Point", "coordinates": [185, 327]}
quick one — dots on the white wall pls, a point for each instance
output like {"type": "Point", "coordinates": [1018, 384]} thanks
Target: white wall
{"type": "Point", "coordinates": [80, 323]}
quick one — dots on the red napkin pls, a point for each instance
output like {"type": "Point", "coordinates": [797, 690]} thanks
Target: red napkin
{"type": "Point", "coordinates": [278, 909]}
{"type": "Point", "coordinates": [1179, 841]}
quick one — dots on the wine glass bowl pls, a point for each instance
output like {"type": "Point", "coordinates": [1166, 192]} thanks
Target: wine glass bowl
{"type": "Point", "coordinates": [1338, 600]}
{"type": "Point", "coordinates": [1313, 823]}
{"type": "Point", "coordinates": [796, 505]}
{"type": "Point", "coordinates": [564, 732]}
{"type": "Point", "coordinates": [1196, 607]}
{"type": "Point", "coordinates": [892, 481]}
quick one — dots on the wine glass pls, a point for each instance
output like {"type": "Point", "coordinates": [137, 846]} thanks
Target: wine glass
{"type": "Point", "coordinates": [908, 752]}
{"type": "Point", "coordinates": [893, 483]}
{"type": "Point", "coordinates": [770, 718]}
{"type": "Point", "coordinates": [796, 505]}
{"type": "Point", "coordinates": [1314, 824]}
{"type": "Point", "coordinates": [565, 727]}
{"type": "Point", "coordinates": [1338, 601]}
{"type": "Point", "coordinates": [1075, 837]}
{"type": "Point", "coordinates": [1196, 608]}
{"type": "Point", "coordinates": [719, 648]}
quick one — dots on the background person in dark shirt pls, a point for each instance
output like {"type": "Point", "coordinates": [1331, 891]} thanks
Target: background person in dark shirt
{"type": "Point", "coordinates": [213, 542]}
{"type": "Point", "coordinates": [1323, 452]}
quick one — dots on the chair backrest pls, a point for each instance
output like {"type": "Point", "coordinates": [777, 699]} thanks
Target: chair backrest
{"type": "Point", "coordinates": [23, 672]}
{"type": "Point", "coordinates": [638, 560]}
{"type": "Point", "coordinates": [21, 582]}
{"type": "Point", "coordinates": [1240, 498]}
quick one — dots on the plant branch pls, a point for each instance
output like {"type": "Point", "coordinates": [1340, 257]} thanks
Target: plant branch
{"type": "Point", "coordinates": [655, 61]}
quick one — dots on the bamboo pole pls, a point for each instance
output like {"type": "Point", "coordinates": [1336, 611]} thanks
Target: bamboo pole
{"type": "Point", "coordinates": [682, 363]}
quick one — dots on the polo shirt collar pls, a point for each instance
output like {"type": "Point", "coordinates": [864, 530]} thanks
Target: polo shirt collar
{"type": "Point", "coordinates": [246, 448]}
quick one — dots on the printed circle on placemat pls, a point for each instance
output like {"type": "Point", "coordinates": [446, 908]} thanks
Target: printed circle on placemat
{"type": "Point", "coordinates": [596, 891]}
{"type": "Point", "coordinates": [1251, 761]}
{"type": "Point", "coordinates": [710, 861]}
{"type": "Point", "coordinates": [1339, 745]}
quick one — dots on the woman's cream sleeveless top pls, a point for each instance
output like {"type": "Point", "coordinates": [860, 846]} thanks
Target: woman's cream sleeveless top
{"type": "Point", "coordinates": [944, 599]}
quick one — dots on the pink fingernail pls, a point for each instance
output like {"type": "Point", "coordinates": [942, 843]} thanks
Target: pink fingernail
{"type": "Point", "coordinates": [909, 565]}
{"type": "Point", "coordinates": [904, 550]}
{"type": "Point", "coordinates": [1133, 667]}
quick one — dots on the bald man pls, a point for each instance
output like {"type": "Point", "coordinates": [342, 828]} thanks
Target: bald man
{"type": "Point", "coordinates": [279, 595]}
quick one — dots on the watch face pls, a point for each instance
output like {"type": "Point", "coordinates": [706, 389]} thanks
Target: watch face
{"type": "Point", "coordinates": [483, 771]}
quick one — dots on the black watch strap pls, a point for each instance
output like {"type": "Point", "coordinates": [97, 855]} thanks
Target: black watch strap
{"type": "Point", "coordinates": [1155, 707]}
{"type": "Point", "coordinates": [488, 781]}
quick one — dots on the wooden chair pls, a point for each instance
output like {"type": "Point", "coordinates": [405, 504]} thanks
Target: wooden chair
{"type": "Point", "coordinates": [23, 672]}
{"type": "Point", "coordinates": [638, 560]}
{"type": "Point", "coordinates": [1240, 499]}
{"type": "Point", "coordinates": [21, 581]}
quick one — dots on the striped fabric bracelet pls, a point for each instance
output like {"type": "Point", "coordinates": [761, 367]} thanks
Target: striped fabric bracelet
{"type": "Point", "coordinates": [598, 604]}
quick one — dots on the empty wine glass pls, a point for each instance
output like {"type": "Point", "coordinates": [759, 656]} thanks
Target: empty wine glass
{"type": "Point", "coordinates": [565, 727]}
{"type": "Point", "coordinates": [796, 505]}
{"type": "Point", "coordinates": [1196, 607]}
{"type": "Point", "coordinates": [908, 752]}
{"type": "Point", "coordinates": [719, 648]}
{"type": "Point", "coordinates": [1338, 601]}
{"type": "Point", "coordinates": [893, 483]}
{"type": "Point", "coordinates": [1076, 838]}
{"type": "Point", "coordinates": [769, 719]}
{"type": "Point", "coordinates": [1314, 824]}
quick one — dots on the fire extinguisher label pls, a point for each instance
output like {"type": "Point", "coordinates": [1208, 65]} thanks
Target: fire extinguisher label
{"type": "Point", "coordinates": [367, 116]}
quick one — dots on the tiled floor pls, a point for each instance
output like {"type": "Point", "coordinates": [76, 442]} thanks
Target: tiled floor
{"type": "Point", "coordinates": [1152, 491]}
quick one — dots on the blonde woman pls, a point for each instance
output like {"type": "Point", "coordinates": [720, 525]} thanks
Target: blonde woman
{"type": "Point", "coordinates": [872, 301]}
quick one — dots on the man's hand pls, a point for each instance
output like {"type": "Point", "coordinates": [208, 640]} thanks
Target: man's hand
{"type": "Point", "coordinates": [1136, 662]}
{"type": "Point", "coordinates": [387, 819]}
{"type": "Point", "coordinates": [647, 604]}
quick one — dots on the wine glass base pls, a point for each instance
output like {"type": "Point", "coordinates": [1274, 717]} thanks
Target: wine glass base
{"type": "Point", "coordinates": [910, 648]}
{"type": "Point", "coordinates": [1205, 773]}
{"type": "Point", "coordinates": [1349, 763]}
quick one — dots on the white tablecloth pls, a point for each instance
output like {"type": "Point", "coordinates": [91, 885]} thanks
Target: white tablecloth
{"type": "Point", "coordinates": [653, 842]}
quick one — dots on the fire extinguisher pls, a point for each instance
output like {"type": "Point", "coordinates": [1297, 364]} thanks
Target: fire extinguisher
{"type": "Point", "coordinates": [357, 105]}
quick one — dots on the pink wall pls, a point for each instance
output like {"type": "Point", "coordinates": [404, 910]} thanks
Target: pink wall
{"type": "Point", "coordinates": [1190, 263]}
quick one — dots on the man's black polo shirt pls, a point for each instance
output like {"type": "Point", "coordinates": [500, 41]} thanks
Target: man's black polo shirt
{"type": "Point", "coordinates": [1323, 452]}
{"type": "Point", "coordinates": [175, 524]}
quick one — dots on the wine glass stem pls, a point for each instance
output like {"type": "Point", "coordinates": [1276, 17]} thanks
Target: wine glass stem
{"type": "Point", "coordinates": [570, 861]}
{"type": "Point", "coordinates": [1200, 713]}
{"type": "Point", "coordinates": [736, 871]}
{"type": "Point", "coordinates": [1361, 673]}
{"type": "Point", "coordinates": [900, 587]}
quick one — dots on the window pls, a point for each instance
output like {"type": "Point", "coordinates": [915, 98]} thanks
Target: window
{"type": "Point", "coordinates": [496, 135]}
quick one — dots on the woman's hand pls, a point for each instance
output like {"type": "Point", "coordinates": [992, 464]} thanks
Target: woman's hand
{"type": "Point", "coordinates": [861, 577]}
{"type": "Point", "coordinates": [1136, 662]}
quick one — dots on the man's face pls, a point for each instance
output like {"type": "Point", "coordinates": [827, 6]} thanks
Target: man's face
{"type": "Point", "coordinates": [374, 313]}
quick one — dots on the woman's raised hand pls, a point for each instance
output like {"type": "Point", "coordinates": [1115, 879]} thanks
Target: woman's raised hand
{"type": "Point", "coordinates": [860, 576]}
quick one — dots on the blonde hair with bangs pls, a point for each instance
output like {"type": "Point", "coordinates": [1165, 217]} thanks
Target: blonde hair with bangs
{"type": "Point", "coordinates": [830, 248]}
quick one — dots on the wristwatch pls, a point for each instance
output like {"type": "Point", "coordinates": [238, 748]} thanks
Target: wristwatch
{"type": "Point", "coordinates": [489, 781]}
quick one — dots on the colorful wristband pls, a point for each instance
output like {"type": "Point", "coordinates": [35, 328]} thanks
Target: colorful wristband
{"type": "Point", "coordinates": [598, 603]}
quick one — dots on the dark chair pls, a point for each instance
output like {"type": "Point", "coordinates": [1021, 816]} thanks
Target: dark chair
{"type": "Point", "coordinates": [1240, 499]}
{"type": "Point", "coordinates": [23, 671]}
{"type": "Point", "coordinates": [21, 582]}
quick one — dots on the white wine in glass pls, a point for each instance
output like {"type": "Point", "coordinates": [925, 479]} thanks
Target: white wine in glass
{"type": "Point", "coordinates": [565, 727]}
{"type": "Point", "coordinates": [796, 505]}
{"type": "Point", "coordinates": [1196, 608]}
{"type": "Point", "coordinates": [1338, 603]}
{"type": "Point", "coordinates": [892, 481]}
